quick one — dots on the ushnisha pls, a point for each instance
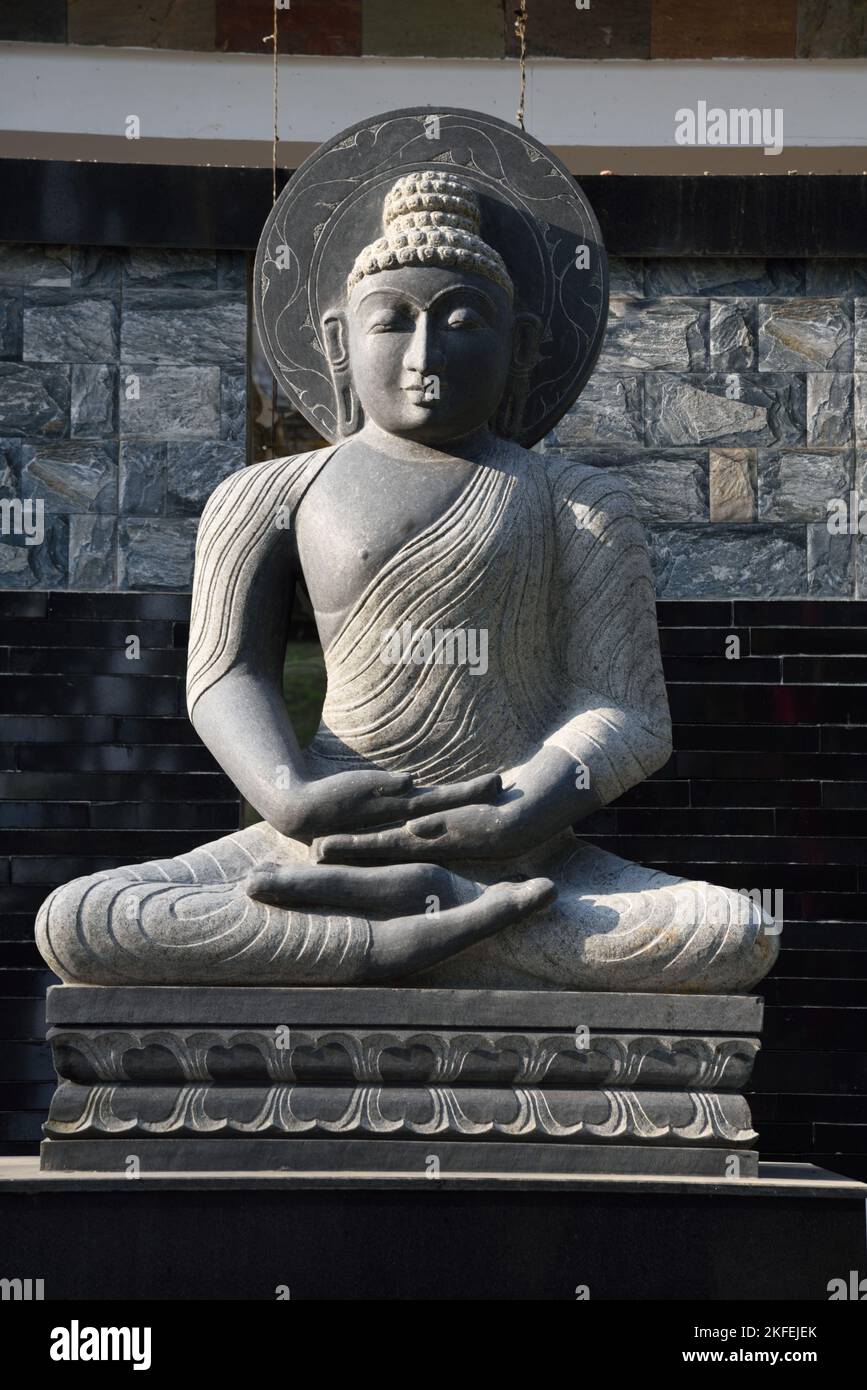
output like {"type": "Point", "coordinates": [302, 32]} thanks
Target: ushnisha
{"type": "Point", "coordinates": [431, 218]}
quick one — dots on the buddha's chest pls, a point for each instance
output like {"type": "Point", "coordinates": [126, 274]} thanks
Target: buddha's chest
{"type": "Point", "coordinates": [359, 514]}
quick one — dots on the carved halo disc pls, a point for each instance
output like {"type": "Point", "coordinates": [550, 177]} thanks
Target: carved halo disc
{"type": "Point", "coordinates": [533, 213]}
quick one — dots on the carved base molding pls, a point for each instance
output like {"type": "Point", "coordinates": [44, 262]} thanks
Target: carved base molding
{"type": "Point", "coordinates": [90, 1055]}
{"type": "Point", "coordinates": [501, 1081]}
{"type": "Point", "coordinates": [516, 1113]}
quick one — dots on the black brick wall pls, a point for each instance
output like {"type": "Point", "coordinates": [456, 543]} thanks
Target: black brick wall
{"type": "Point", "coordinates": [99, 766]}
{"type": "Point", "coordinates": [767, 789]}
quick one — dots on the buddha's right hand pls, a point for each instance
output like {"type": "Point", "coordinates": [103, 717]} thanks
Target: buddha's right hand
{"type": "Point", "coordinates": [362, 799]}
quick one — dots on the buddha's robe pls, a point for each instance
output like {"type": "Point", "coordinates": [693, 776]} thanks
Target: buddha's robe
{"type": "Point", "coordinates": [546, 558]}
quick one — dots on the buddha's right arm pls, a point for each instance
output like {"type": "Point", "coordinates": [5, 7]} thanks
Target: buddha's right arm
{"type": "Point", "coordinates": [243, 588]}
{"type": "Point", "coordinates": [244, 723]}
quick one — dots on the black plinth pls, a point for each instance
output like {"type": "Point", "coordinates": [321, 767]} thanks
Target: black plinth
{"type": "Point", "coordinates": [782, 1236]}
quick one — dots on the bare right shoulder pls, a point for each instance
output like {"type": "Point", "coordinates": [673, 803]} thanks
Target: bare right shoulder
{"type": "Point", "coordinates": [264, 492]}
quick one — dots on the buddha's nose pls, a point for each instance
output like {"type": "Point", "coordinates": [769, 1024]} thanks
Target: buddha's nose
{"type": "Point", "coordinates": [424, 354]}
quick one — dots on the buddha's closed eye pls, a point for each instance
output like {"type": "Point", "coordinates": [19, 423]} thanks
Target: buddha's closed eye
{"type": "Point", "coordinates": [403, 320]}
{"type": "Point", "coordinates": [391, 323]}
{"type": "Point", "coordinates": [465, 319]}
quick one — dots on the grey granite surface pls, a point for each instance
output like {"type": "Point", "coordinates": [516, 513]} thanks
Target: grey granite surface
{"type": "Point", "coordinates": [106, 354]}
{"type": "Point", "coordinates": [682, 382]}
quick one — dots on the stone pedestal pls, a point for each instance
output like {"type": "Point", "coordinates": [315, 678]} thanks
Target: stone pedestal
{"type": "Point", "coordinates": [412, 1081]}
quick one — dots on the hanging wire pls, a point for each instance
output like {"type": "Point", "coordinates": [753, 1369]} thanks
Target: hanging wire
{"type": "Point", "coordinates": [272, 37]}
{"type": "Point", "coordinates": [276, 135]}
{"type": "Point", "coordinates": [521, 31]}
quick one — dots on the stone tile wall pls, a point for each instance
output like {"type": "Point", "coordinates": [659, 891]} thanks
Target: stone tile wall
{"type": "Point", "coordinates": [731, 396]}
{"type": "Point", "coordinates": [122, 405]}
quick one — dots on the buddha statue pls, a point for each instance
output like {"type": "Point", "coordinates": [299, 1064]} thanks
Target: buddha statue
{"type": "Point", "coordinates": [493, 670]}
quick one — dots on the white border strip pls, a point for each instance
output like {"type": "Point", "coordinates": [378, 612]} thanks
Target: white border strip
{"type": "Point", "coordinates": [53, 88]}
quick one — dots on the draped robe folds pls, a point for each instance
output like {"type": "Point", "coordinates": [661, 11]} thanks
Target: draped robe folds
{"type": "Point", "coordinates": [541, 566]}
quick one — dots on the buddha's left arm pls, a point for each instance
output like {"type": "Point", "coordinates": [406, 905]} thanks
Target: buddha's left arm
{"type": "Point", "coordinates": [615, 728]}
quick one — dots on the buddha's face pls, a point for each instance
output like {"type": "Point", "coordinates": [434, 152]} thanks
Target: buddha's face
{"type": "Point", "coordinates": [429, 350]}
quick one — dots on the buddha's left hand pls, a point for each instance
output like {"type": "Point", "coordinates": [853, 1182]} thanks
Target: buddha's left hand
{"type": "Point", "coordinates": [538, 800]}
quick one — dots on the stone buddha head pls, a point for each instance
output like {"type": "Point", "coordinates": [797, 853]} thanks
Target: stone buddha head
{"type": "Point", "coordinates": [427, 342]}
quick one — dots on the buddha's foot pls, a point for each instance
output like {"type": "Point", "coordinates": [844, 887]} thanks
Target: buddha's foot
{"type": "Point", "coordinates": [618, 926]}
{"type": "Point", "coordinates": [439, 912]}
{"type": "Point", "coordinates": [251, 909]}
{"type": "Point", "coordinates": [391, 889]}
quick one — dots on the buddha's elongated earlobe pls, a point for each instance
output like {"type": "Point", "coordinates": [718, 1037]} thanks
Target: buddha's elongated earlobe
{"type": "Point", "coordinates": [525, 351]}
{"type": "Point", "coordinates": [349, 413]}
